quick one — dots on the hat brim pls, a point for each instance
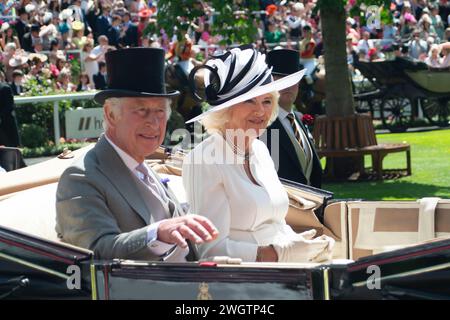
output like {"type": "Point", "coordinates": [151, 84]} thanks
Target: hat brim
{"type": "Point", "coordinates": [15, 63]}
{"type": "Point", "coordinates": [101, 96]}
{"type": "Point", "coordinates": [277, 85]}
{"type": "Point", "coordinates": [280, 74]}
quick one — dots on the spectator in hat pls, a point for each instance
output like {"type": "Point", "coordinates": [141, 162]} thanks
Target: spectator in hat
{"type": "Point", "coordinates": [128, 32]}
{"type": "Point", "coordinates": [144, 20]}
{"type": "Point", "coordinates": [100, 79]}
{"type": "Point", "coordinates": [9, 133]}
{"type": "Point", "coordinates": [418, 48]}
{"type": "Point", "coordinates": [7, 35]}
{"type": "Point", "coordinates": [181, 51]}
{"type": "Point", "coordinates": [350, 29]}
{"type": "Point", "coordinates": [436, 21]}
{"type": "Point", "coordinates": [10, 50]}
{"type": "Point", "coordinates": [48, 31]}
{"type": "Point", "coordinates": [230, 177]}
{"type": "Point", "coordinates": [408, 26]}
{"type": "Point", "coordinates": [37, 61]}
{"type": "Point", "coordinates": [103, 22]}
{"type": "Point", "coordinates": [426, 27]}
{"type": "Point", "coordinates": [295, 21]}
{"type": "Point", "coordinates": [78, 39]}
{"type": "Point", "coordinates": [78, 13]}
{"type": "Point", "coordinates": [17, 82]}
{"type": "Point", "coordinates": [434, 60]}
{"type": "Point", "coordinates": [298, 160]}
{"type": "Point", "coordinates": [113, 33]}
{"type": "Point", "coordinates": [110, 201]}
{"type": "Point", "coordinates": [64, 82]}
{"type": "Point", "coordinates": [59, 65]}
{"type": "Point", "coordinates": [307, 47]}
{"type": "Point", "coordinates": [30, 38]}
{"type": "Point", "coordinates": [365, 44]}
{"type": "Point", "coordinates": [21, 25]}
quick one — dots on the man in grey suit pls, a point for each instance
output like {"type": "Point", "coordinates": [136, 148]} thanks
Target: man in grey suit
{"type": "Point", "coordinates": [109, 201]}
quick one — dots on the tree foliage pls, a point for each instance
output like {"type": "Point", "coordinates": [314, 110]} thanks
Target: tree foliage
{"type": "Point", "coordinates": [233, 20]}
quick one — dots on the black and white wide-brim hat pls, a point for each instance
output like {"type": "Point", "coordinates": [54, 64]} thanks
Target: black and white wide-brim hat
{"type": "Point", "coordinates": [236, 76]}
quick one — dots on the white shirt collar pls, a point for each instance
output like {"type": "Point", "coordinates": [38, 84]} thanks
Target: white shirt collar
{"type": "Point", "coordinates": [283, 113]}
{"type": "Point", "coordinates": [126, 158]}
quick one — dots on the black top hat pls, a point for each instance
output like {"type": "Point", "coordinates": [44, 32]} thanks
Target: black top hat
{"type": "Point", "coordinates": [35, 27]}
{"type": "Point", "coordinates": [135, 72]}
{"type": "Point", "coordinates": [284, 61]}
{"type": "Point", "coordinates": [21, 11]}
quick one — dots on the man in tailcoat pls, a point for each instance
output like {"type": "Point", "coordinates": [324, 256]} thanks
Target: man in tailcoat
{"type": "Point", "coordinates": [110, 201]}
{"type": "Point", "coordinates": [297, 158]}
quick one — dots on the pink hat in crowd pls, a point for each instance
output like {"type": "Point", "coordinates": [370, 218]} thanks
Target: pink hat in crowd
{"type": "Point", "coordinates": [409, 17]}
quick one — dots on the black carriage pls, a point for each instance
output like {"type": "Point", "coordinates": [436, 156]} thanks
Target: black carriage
{"type": "Point", "coordinates": [396, 90]}
{"type": "Point", "coordinates": [32, 268]}
{"type": "Point", "coordinates": [35, 264]}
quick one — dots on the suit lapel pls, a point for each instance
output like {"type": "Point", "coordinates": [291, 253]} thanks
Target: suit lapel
{"type": "Point", "coordinates": [285, 142]}
{"type": "Point", "coordinates": [174, 206]}
{"type": "Point", "coordinates": [120, 176]}
{"type": "Point", "coordinates": [310, 140]}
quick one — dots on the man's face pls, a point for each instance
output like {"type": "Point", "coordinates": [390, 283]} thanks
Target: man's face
{"type": "Point", "coordinates": [140, 127]}
{"type": "Point", "coordinates": [287, 96]}
{"type": "Point", "coordinates": [18, 80]}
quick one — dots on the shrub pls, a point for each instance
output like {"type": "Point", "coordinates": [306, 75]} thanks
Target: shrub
{"type": "Point", "coordinates": [33, 135]}
{"type": "Point", "coordinates": [51, 149]}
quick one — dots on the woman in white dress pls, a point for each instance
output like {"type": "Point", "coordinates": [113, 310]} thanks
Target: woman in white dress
{"type": "Point", "coordinates": [231, 178]}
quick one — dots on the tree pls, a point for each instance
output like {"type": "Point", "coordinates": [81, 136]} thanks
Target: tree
{"type": "Point", "coordinates": [333, 13]}
{"type": "Point", "coordinates": [339, 96]}
{"type": "Point", "coordinates": [240, 28]}
{"type": "Point", "coordinates": [232, 19]}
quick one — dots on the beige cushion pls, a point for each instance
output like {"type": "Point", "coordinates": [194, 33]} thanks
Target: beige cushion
{"type": "Point", "coordinates": [39, 174]}
{"type": "Point", "coordinates": [32, 211]}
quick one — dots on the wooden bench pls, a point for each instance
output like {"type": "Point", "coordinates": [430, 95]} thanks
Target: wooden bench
{"type": "Point", "coordinates": [354, 136]}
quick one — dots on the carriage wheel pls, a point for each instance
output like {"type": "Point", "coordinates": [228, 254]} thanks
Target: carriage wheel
{"type": "Point", "coordinates": [371, 106]}
{"type": "Point", "coordinates": [436, 110]}
{"type": "Point", "coordinates": [395, 113]}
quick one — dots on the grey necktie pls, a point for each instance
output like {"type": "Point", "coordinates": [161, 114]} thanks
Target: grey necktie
{"type": "Point", "coordinates": [151, 183]}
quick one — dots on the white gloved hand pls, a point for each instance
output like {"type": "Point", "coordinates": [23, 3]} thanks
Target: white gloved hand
{"type": "Point", "coordinates": [327, 254]}
{"type": "Point", "coordinates": [303, 248]}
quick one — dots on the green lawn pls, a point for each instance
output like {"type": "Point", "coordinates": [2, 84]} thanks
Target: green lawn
{"type": "Point", "coordinates": [430, 157]}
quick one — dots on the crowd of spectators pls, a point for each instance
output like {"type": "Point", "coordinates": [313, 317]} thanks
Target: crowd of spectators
{"type": "Point", "coordinates": [44, 39]}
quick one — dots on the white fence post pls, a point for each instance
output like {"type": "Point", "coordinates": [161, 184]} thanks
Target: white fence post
{"type": "Point", "coordinates": [56, 122]}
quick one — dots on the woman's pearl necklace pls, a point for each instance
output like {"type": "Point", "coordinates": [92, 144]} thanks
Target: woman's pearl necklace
{"type": "Point", "coordinates": [237, 151]}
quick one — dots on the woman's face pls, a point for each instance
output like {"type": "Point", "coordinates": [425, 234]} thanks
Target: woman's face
{"type": "Point", "coordinates": [253, 114]}
{"type": "Point", "coordinates": [434, 53]}
{"type": "Point", "coordinates": [60, 64]}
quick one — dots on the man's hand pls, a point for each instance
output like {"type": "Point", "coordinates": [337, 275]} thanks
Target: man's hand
{"type": "Point", "coordinates": [196, 228]}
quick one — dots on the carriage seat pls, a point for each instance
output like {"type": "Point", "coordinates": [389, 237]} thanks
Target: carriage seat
{"type": "Point", "coordinates": [31, 211]}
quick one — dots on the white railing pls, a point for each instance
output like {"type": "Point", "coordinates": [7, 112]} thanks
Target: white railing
{"type": "Point", "coordinates": [55, 99]}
